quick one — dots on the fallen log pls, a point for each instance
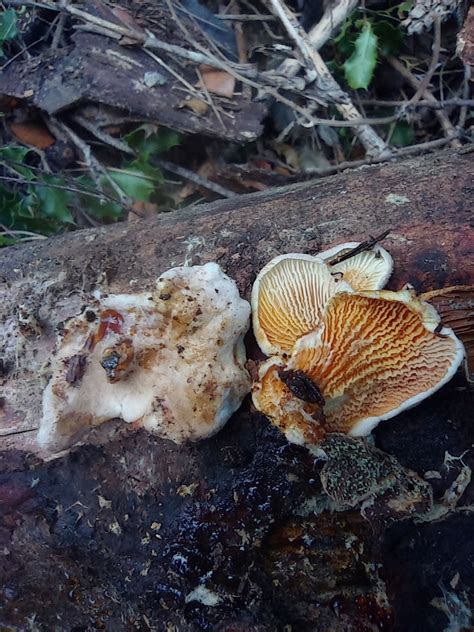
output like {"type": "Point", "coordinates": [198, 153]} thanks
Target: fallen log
{"type": "Point", "coordinates": [141, 532]}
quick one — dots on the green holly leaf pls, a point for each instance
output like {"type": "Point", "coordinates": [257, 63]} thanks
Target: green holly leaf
{"type": "Point", "coordinates": [134, 183]}
{"type": "Point", "coordinates": [54, 201]}
{"type": "Point", "coordinates": [402, 135]}
{"type": "Point", "coordinates": [390, 38]}
{"type": "Point", "coordinates": [8, 25]}
{"type": "Point", "coordinates": [15, 157]}
{"type": "Point", "coordinates": [147, 143]}
{"type": "Point", "coordinates": [359, 68]}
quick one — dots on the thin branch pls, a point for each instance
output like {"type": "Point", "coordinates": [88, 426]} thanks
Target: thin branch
{"type": "Point", "coordinates": [8, 432]}
{"type": "Point", "coordinates": [397, 153]}
{"type": "Point", "coordinates": [194, 177]}
{"type": "Point", "coordinates": [425, 82]}
{"type": "Point", "coordinates": [448, 127]}
{"type": "Point", "coordinates": [362, 247]}
{"type": "Point", "coordinates": [48, 185]}
{"type": "Point", "coordinates": [374, 145]}
{"type": "Point", "coordinates": [331, 20]}
{"type": "Point", "coordinates": [437, 105]}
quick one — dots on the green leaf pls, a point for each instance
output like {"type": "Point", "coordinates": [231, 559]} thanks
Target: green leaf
{"type": "Point", "coordinates": [147, 144]}
{"type": "Point", "coordinates": [359, 68]}
{"type": "Point", "coordinates": [134, 183]}
{"type": "Point", "coordinates": [390, 38]}
{"type": "Point", "coordinates": [53, 201]}
{"type": "Point", "coordinates": [15, 157]}
{"type": "Point", "coordinates": [8, 25]}
{"type": "Point", "coordinates": [404, 8]}
{"type": "Point", "coordinates": [402, 135]}
{"type": "Point", "coordinates": [7, 241]}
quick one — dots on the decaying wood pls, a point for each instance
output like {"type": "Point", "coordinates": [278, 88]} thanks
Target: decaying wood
{"type": "Point", "coordinates": [96, 69]}
{"type": "Point", "coordinates": [122, 536]}
{"type": "Point", "coordinates": [425, 203]}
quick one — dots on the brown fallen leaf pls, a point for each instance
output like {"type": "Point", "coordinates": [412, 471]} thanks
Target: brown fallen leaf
{"type": "Point", "coordinates": [142, 210]}
{"type": "Point", "coordinates": [33, 134]}
{"type": "Point", "coordinates": [217, 82]}
{"type": "Point", "coordinates": [198, 106]}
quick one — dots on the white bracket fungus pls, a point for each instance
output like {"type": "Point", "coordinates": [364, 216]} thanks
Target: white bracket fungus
{"type": "Point", "coordinates": [171, 361]}
{"type": "Point", "coordinates": [343, 360]}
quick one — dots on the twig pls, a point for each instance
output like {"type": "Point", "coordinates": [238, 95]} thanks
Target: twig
{"type": "Point", "coordinates": [331, 20]}
{"type": "Point", "coordinates": [8, 432]}
{"type": "Point", "coordinates": [102, 135]}
{"type": "Point", "coordinates": [425, 82]}
{"type": "Point", "coordinates": [372, 142]}
{"type": "Point", "coordinates": [28, 235]}
{"type": "Point", "coordinates": [95, 167]}
{"type": "Point", "coordinates": [246, 17]}
{"type": "Point", "coordinates": [194, 177]}
{"type": "Point", "coordinates": [439, 105]}
{"type": "Point", "coordinates": [176, 75]}
{"type": "Point", "coordinates": [447, 126]}
{"type": "Point", "coordinates": [362, 247]}
{"type": "Point", "coordinates": [98, 196]}
{"type": "Point", "coordinates": [209, 99]}
{"type": "Point", "coordinates": [398, 153]}
{"type": "Point", "coordinates": [58, 31]}
{"type": "Point", "coordinates": [333, 17]}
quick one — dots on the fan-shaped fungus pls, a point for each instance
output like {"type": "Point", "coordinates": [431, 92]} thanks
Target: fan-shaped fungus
{"type": "Point", "coordinates": [367, 270]}
{"type": "Point", "coordinates": [288, 297]}
{"type": "Point", "coordinates": [171, 360]}
{"type": "Point", "coordinates": [369, 355]}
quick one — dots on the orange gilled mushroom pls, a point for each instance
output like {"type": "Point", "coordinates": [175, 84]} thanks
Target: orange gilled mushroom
{"type": "Point", "coordinates": [300, 420]}
{"type": "Point", "coordinates": [288, 298]}
{"type": "Point", "coordinates": [367, 270]}
{"type": "Point", "coordinates": [373, 355]}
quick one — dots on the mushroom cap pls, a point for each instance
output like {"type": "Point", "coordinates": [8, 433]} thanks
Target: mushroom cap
{"type": "Point", "coordinates": [288, 297]}
{"type": "Point", "coordinates": [368, 270]}
{"type": "Point", "coordinates": [170, 360]}
{"type": "Point", "coordinates": [299, 420]}
{"type": "Point", "coordinates": [374, 355]}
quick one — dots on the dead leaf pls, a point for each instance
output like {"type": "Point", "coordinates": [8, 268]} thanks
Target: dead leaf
{"type": "Point", "coordinates": [198, 106]}
{"type": "Point", "coordinates": [33, 134]}
{"type": "Point", "coordinates": [217, 82]}
{"type": "Point", "coordinates": [142, 210]}
{"type": "Point", "coordinates": [7, 104]}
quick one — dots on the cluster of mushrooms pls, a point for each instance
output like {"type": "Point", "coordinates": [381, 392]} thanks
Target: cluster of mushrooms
{"type": "Point", "coordinates": [342, 352]}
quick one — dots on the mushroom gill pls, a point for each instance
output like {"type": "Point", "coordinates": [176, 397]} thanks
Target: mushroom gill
{"type": "Point", "coordinates": [288, 297]}
{"type": "Point", "coordinates": [374, 355]}
{"type": "Point", "coordinates": [367, 270]}
{"type": "Point", "coordinates": [171, 361]}
{"type": "Point", "coordinates": [368, 354]}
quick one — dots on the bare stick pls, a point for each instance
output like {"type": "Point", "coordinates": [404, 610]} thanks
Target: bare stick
{"type": "Point", "coordinates": [194, 177]}
{"type": "Point", "coordinates": [425, 82]}
{"type": "Point", "coordinates": [374, 145]}
{"type": "Point", "coordinates": [448, 127]}
{"type": "Point", "coordinates": [333, 17]}
{"type": "Point", "coordinates": [365, 245]}
{"type": "Point", "coordinates": [95, 167]}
